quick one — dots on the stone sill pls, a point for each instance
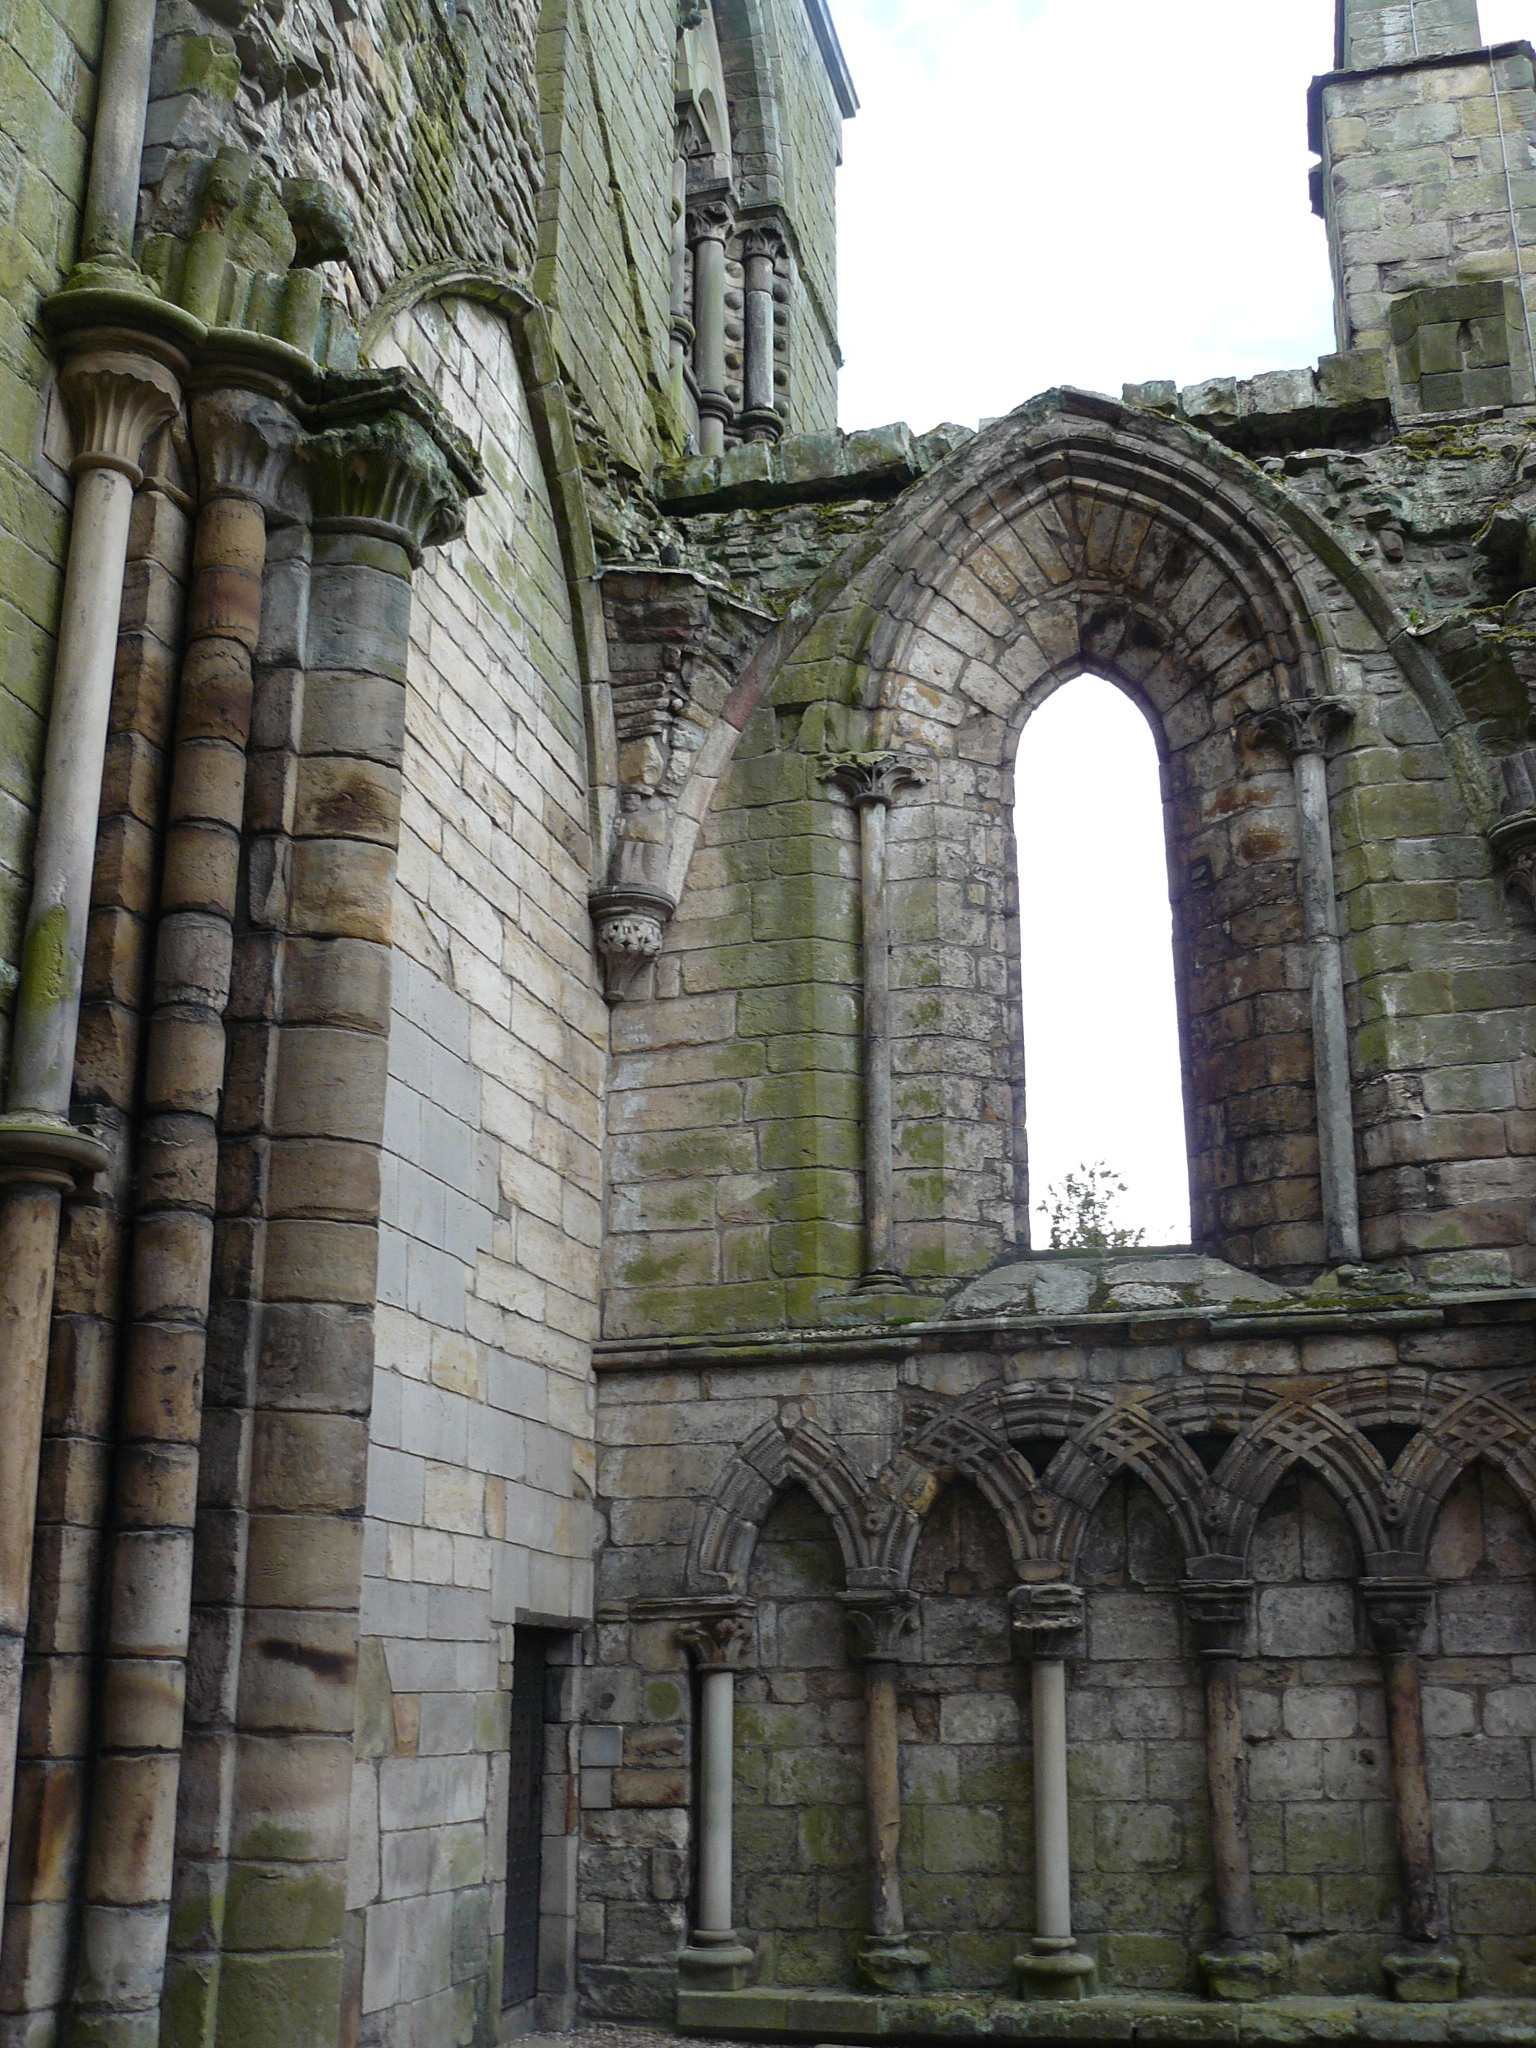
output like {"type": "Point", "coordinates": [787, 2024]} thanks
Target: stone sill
{"type": "Point", "coordinates": [867, 1340]}
{"type": "Point", "coordinates": [771, 2014]}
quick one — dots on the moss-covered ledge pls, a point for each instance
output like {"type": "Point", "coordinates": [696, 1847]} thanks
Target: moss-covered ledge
{"type": "Point", "coordinates": [772, 2014]}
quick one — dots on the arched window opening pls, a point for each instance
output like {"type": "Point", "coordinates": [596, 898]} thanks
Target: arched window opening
{"type": "Point", "coordinates": [1101, 1034]}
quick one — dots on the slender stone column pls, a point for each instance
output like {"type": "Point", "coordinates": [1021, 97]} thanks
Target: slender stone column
{"type": "Point", "coordinates": [762, 245]}
{"type": "Point", "coordinates": [871, 783]}
{"type": "Point", "coordinates": [1396, 1610]}
{"type": "Point", "coordinates": [243, 441]}
{"type": "Point", "coordinates": [1239, 1967]}
{"type": "Point", "coordinates": [879, 1624]}
{"type": "Point", "coordinates": [709, 223]}
{"type": "Point", "coordinates": [1047, 1621]}
{"type": "Point", "coordinates": [115, 400]}
{"type": "Point", "coordinates": [716, 1959]}
{"type": "Point", "coordinates": [681, 329]}
{"type": "Point", "coordinates": [1304, 729]}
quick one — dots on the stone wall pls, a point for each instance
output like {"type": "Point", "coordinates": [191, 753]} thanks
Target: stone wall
{"type": "Point", "coordinates": [481, 1448]}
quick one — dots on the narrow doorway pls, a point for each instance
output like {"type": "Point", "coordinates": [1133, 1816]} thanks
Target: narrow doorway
{"type": "Point", "coordinates": [520, 1968]}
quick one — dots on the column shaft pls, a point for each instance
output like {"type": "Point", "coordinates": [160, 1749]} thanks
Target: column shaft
{"type": "Point", "coordinates": [882, 1792]}
{"type": "Point", "coordinates": [760, 419]}
{"type": "Point", "coordinates": [708, 225]}
{"type": "Point", "coordinates": [718, 1709]}
{"type": "Point", "coordinates": [1228, 1781]}
{"type": "Point", "coordinates": [1410, 1793]}
{"type": "Point", "coordinates": [879, 1267]}
{"type": "Point", "coordinates": [1053, 1854]}
{"type": "Point", "coordinates": [1330, 1033]}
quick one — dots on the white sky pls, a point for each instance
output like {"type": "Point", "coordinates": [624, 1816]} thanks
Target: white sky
{"type": "Point", "coordinates": [1090, 192]}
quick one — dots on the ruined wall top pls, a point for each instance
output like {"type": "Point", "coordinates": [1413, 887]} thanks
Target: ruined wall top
{"type": "Point", "coordinates": [1372, 32]}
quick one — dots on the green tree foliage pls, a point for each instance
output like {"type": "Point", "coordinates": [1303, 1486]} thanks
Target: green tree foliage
{"type": "Point", "coordinates": [1080, 1211]}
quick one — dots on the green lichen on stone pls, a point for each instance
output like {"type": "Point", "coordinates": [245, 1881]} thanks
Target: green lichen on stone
{"type": "Point", "coordinates": [45, 967]}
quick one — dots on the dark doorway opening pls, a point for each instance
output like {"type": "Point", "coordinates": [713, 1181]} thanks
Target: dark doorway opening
{"type": "Point", "coordinates": [520, 1968]}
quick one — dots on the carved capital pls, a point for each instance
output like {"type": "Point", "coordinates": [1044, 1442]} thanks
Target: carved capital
{"type": "Point", "coordinates": [1302, 725]}
{"type": "Point", "coordinates": [870, 778]}
{"type": "Point", "coordinates": [1047, 1618]}
{"type": "Point", "coordinates": [116, 399]}
{"type": "Point", "coordinates": [245, 441]}
{"type": "Point", "coordinates": [690, 13]}
{"type": "Point", "coordinates": [880, 1623]}
{"type": "Point", "coordinates": [761, 239]}
{"type": "Point", "coordinates": [1218, 1611]}
{"type": "Point", "coordinates": [386, 475]}
{"type": "Point", "coordinates": [629, 925]}
{"type": "Point", "coordinates": [710, 218]}
{"type": "Point", "coordinates": [1512, 835]}
{"type": "Point", "coordinates": [719, 1639]}
{"type": "Point", "coordinates": [1397, 1610]}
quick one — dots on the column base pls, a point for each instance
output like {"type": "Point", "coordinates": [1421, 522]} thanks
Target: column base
{"type": "Point", "coordinates": [891, 1964]}
{"type": "Point", "coordinates": [715, 1962]}
{"type": "Point", "coordinates": [1423, 1976]}
{"type": "Point", "coordinates": [1240, 1975]}
{"type": "Point", "coordinates": [1052, 1968]}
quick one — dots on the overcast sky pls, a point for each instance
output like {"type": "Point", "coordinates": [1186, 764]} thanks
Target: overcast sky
{"type": "Point", "coordinates": [1090, 192]}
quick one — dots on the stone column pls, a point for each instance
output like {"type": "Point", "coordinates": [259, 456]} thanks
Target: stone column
{"type": "Point", "coordinates": [709, 223]}
{"type": "Point", "coordinates": [1047, 1623]}
{"type": "Point", "coordinates": [871, 783]}
{"type": "Point", "coordinates": [762, 245]}
{"type": "Point", "coordinates": [243, 442]}
{"type": "Point", "coordinates": [716, 1959]}
{"type": "Point", "coordinates": [680, 329]}
{"type": "Point", "coordinates": [1304, 728]}
{"type": "Point", "coordinates": [116, 399]}
{"type": "Point", "coordinates": [1238, 1967]}
{"type": "Point", "coordinates": [1396, 1610]}
{"type": "Point", "coordinates": [879, 1624]}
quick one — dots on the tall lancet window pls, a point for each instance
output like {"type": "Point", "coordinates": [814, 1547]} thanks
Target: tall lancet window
{"type": "Point", "coordinates": [1101, 1035]}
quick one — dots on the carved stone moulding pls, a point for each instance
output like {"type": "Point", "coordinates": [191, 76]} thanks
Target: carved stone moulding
{"type": "Point", "coordinates": [1301, 725]}
{"type": "Point", "coordinates": [628, 924]}
{"type": "Point", "coordinates": [1047, 1618]}
{"type": "Point", "coordinates": [46, 1151]}
{"type": "Point", "coordinates": [881, 1622]}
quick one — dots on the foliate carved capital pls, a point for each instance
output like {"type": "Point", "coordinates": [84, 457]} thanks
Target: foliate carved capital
{"type": "Point", "coordinates": [880, 1624]}
{"type": "Point", "coordinates": [1047, 1618]}
{"type": "Point", "coordinates": [1218, 1611]}
{"type": "Point", "coordinates": [386, 475]}
{"type": "Point", "coordinates": [867, 779]}
{"type": "Point", "coordinates": [1302, 725]}
{"type": "Point", "coordinates": [720, 1640]}
{"type": "Point", "coordinates": [710, 218]}
{"type": "Point", "coordinates": [1512, 835]}
{"type": "Point", "coordinates": [1396, 1611]}
{"type": "Point", "coordinates": [762, 238]}
{"type": "Point", "coordinates": [629, 925]}
{"type": "Point", "coordinates": [245, 442]}
{"type": "Point", "coordinates": [116, 399]}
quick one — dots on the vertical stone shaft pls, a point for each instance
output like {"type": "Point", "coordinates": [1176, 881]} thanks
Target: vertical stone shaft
{"type": "Point", "coordinates": [75, 1473]}
{"type": "Point", "coordinates": [1396, 1609]}
{"type": "Point", "coordinates": [879, 1621]}
{"type": "Point", "coordinates": [115, 401]}
{"type": "Point", "coordinates": [236, 1315]}
{"type": "Point", "coordinates": [1330, 1030]}
{"type": "Point", "coordinates": [879, 1213]}
{"type": "Point", "coordinates": [1217, 1609]}
{"type": "Point", "coordinates": [760, 420]}
{"type": "Point", "coordinates": [1236, 1915]}
{"type": "Point", "coordinates": [1303, 728]}
{"type": "Point", "coordinates": [871, 783]}
{"type": "Point", "coordinates": [681, 329]}
{"type": "Point", "coordinates": [708, 225]}
{"type": "Point", "coordinates": [130, 1849]}
{"type": "Point", "coordinates": [718, 1708]}
{"type": "Point", "coordinates": [1047, 1618]}
{"type": "Point", "coordinates": [882, 1792]}
{"type": "Point", "coordinates": [117, 144]}
{"type": "Point", "coordinates": [1410, 1792]}
{"type": "Point", "coordinates": [715, 1958]}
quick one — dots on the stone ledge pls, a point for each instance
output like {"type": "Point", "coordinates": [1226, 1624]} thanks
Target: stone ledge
{"type": "Point", "coordinates": [1345, 399]}
{"type": "Point", "coordinates": [770, 2014]}
{"type": "Point", "coordinates": [808, 469]}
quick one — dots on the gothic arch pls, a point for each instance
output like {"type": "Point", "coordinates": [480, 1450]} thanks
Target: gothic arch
{"type": "Point", "coordinates": [726, 1525]}
{"type": "Point", "coordinates": [1311, 1432]}
{"type": "Point", "coordinates": [1496, 1423]}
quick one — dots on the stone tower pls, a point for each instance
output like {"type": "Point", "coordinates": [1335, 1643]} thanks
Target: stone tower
{"type": "Point", "coordinates": [1426, 183]}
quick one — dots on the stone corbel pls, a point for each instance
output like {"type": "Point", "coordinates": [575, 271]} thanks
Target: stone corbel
{"type": "Point", "coordinates": [629, 923]}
